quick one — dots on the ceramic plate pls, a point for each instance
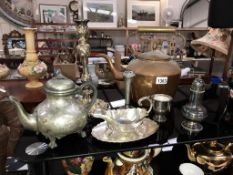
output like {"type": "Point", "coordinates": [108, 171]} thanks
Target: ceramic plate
{"type": "Point", "coordinates": [103, 133]}
{"type": "Point", "coordinates": [190, 169]}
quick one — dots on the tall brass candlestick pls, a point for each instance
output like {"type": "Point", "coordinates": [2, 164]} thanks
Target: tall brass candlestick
{"type": "Point", "coordinates": [83, 48]}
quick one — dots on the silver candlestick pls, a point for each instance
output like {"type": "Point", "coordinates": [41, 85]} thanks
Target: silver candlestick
{"type": "Point", "coordinates": [128, 76]}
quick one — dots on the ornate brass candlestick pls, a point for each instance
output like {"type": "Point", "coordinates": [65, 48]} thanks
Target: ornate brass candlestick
{"type": "Point", "coordinates": [82, 50]}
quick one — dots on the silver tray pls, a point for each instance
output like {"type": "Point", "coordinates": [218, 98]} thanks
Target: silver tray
{"type": "Point", "coordinates": [103, 133]}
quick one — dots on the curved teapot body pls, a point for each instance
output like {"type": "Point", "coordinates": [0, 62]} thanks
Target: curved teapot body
{"type": "Point", "coordinates": [60, 116]}
{"type": "Point", "coordinates": [130, 162]}
{"type": "Point", "coordinates": [212, 155]}
{"type": "Point", "coordinates": [153, 77]}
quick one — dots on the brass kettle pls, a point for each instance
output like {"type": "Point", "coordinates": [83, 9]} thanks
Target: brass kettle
{"type": "Point", "coordinates": [211, 154]}
{"type": "Point", "coordinates": [155, 73]}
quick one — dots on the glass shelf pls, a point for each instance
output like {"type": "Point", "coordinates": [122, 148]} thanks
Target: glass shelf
{"type": "Point", "coordinates": [169, 133]}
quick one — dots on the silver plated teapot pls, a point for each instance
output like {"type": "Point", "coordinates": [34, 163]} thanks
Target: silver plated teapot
{"type": "Point", "coordinates": [61, 113]}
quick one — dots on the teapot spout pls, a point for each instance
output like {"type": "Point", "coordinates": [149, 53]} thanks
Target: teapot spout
{"type": "Point", "coordinates": [27, 120]}
{"type": "Point", "coordinates": [109, 168]}
{"type": "Point", "coordinates": [115, 68]}
{"type": "Point", "coordinates": [103, 116]}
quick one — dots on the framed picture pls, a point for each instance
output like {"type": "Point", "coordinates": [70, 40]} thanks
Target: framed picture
{"type": "Point", "coordinates": [143, 13]}
{"type": "Point", "coordinates": [53, 13]}
{"type": "Point", "coordinates": [101, 13]}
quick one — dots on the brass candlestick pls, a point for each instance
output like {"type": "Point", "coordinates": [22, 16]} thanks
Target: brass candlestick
{"type": "Point", "coordinates": [82, 50]}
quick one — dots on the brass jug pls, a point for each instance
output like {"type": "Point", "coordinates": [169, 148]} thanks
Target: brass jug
{"type": "Point", "coordinates": [135, 162]}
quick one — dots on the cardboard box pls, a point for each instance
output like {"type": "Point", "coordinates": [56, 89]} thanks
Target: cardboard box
{"type": "Point", "coordinates": [70, 70]}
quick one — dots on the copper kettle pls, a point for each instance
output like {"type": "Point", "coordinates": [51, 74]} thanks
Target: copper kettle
{"type": "Point", "coordinates": [155, 73]}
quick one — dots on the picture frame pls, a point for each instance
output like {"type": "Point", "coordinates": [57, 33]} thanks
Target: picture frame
{"type": "Point", "coordinates": [101, 13]}
{"type": "Point", "coordinates": [143, 13]}
{"type": "Point", "coordinates": [50, 13]}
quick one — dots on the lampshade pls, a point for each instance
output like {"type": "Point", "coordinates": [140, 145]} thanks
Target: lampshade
{"type": "Point", "coordinates": [220, 14]}
{"type": "Point", "coordinates": [215, 39]}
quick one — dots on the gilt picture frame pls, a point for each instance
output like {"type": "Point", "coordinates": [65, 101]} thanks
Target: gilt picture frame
{"type": "Point", "coordinates": [101, 13]}
{"type": "Point", "coordinates": [143, 13]}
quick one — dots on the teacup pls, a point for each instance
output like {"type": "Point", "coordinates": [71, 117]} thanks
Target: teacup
{"type": "Point", "coordinates": [161, 104]}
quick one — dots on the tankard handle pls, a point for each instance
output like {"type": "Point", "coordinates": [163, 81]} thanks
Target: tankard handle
{"type": "Point", "coordinates": [94, 97]}
{"type": "Point", "coordinates": [146, 98]}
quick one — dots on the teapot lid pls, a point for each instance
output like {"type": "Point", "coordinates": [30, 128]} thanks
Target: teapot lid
{"type": "Point", "coordinates": [210, 148]}
{"type": "Point", "coordinates": [60, 85]}
{"type": "Point", "coordinates": [155, 55]}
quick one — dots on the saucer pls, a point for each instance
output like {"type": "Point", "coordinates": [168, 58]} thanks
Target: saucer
{"type": "Point", "coordinates": [145, 129]}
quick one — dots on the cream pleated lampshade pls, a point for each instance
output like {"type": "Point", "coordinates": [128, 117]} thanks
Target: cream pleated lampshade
{"type": "Point", "coordinates": [215, 39]}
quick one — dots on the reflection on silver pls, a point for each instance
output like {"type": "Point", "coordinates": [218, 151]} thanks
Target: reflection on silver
{"type": "Point", "coordinates": [100, 106]}
{"type": "Point", "coordinates": [194, 112]}
{"type": "Point", "coordinates": [36, 148]}
{"type": "Point", "coordinates": [103, 133]}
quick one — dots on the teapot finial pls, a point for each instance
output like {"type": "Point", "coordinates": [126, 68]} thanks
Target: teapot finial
{"type": "Point", "coordinates": [59, 75]}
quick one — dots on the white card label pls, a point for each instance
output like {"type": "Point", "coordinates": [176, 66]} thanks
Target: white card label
{"type": "Point", "coordinates": [118, 103]}
{"type": "Point", "coordinates": [161, 80]}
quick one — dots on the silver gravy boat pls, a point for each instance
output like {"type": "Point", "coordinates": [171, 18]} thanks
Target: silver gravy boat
{"type": "Point", "coordinates": [123, 120]}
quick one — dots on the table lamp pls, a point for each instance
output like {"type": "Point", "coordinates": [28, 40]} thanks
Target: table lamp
{"type": "Point", "coordinates": [221, 16]}
{"type": "Point", "coordinates": [217, 42]}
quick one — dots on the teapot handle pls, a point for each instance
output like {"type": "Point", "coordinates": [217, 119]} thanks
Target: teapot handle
{"type": "Point", "coordinates": [146, 98]}
{"type": "Point", "coordinates": [94, 97]}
